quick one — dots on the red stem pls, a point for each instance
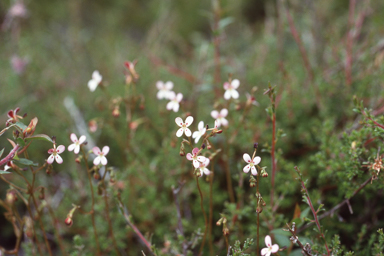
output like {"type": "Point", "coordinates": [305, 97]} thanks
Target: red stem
{"type": "Point", "coordinates": [273, 157]}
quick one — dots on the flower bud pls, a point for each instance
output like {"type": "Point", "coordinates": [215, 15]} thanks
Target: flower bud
{"type": "Point", "coordinates": [252, 184]}
{"type": "Point", "coordinates": [203, 146]}
{"type": "Point", "coordinates": [77, 160]}
{"type": "Point", "coordinates": [259, 209]}
{"type": "Point", "coordinates": [68, 221]}
{"type": "Point", "coordinates": [42, 194]}
{"type": "Point", "coordinates": [182, 153]}
{"type": "Point", "coordinates": [255, 145]}
{"type": "Point", "coordinates": [225, 231]}
{"type": "Point", "coordinates": [209, 146]}
{"type": "Point", "coordinates": [96, 176]}
{"type": "Point", "coordinates": [116, 112]}
{"type": "Point", "coordinates": [11, 197]}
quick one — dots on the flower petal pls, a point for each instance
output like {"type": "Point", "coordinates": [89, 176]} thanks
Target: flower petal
{"type": "Point", "coordinates": [200, 125]}
{"type": "Point", "coordinates": [264, 251]}
{"type": "Point", "coordinates": [268, 241]}
{"type": "Point", "coordinates": [96, 150]}
{"type": "Point", "coordinates": [188, 121]}
{"type": "Point", "coordinates": [50, 151]}
{"type": "Point", "coordinates": [227, 94]}
{"type": "Point", "coordinates": [170, 105]}
{"type": "Point", "coordinates": [246, 168]}
{"type": "Point", "coordinates": [105, 150]}
{"type": "Point", "coordinates": [275, 248]}
{"type": "Point", "coordinates": [256, 160]}
{"type": "Point", "coordinates": [159, 85]}
{"type": "Point", "coordinates": [103, 160]}
{"type": "Point", "coordinates": [73, 137]}
{"type": "Point", "coordinates": [189, 157]}
{"type": "Point", "coordinates": [50, 159]}
{"type": "Point", "coordinates": [180, 132]}
{"type": "Point", "coordinates": [235, 83]}
{"type": "Point", "coordinates": [215, 114]}
{"type": "Point", "coordinates": [175, 106]}
{"type": "Point", "coordinates": [179, 121]}
{"type": "Point", "coordinates": [224, 112]}
{"type": "Point", "coordinates": [201, 159]}
{"type": "Point", "coordinates": [60, 149]}
{"type": "Point", "coordinates": [195, 134]}
{"type": "Point", "coordinates": [254, 171]}
{"type": "Point", "coordinates": [206, 171]}
{"type": "Point", "coordinates": [226, 85]}
{"type": "Point", "coordinates": [96, 161]}
{"type": "Point", "coordinates": [196, 163]}
{"type": "Point", "coordinates": [179, 97]}
{"type": "Point", "coordinates": [195, 151]}
{"type": "Point", "coordinates": [234, 94]}
{"type": "Point", "coordinates": [168, 85]}
{"type": "Point", "coordinates": [247, 158]}
{"type": "Point", "coordinates": [188, 132]}
{"type": "Point", "coordinates": [77, 149]}
{"type": "Point", "coordinates": [71, 147]}
{"type": "Point", "coordinates": [92, 85]}
{"type": "Point", "coordinates": [224, 121]}
{"type": "Point", "coordinates": [197, 138]}
{"type": "Point", "coordinates": [82, 139]}
{"type": "Point", "coordinates": [59, 160]}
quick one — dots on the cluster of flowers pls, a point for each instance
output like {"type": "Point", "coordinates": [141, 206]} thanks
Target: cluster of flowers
{"type": "Point", "coordinates": [75, 147]}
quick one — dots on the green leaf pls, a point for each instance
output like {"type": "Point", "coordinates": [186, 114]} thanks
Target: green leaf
{"type": "Point", "coordinates": [3, 172]}
{"type": "Point", "coordinates": [20, 126]}
{"type": "Point", "coordinates": [1, 152]}
{"type": "Point", "coordinates": [40, 137]}
{"type": "Point", "coordinates": [20, 141]}
{"type": "Point", "coordinates": [26, 162]}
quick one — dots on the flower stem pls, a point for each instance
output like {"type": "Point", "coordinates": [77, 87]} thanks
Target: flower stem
{"type": "Point", "coordinates": [205, 215]}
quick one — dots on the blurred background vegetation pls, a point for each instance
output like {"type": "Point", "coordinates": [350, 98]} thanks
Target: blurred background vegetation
{"type": "Point", "coordinates": [62, 42]}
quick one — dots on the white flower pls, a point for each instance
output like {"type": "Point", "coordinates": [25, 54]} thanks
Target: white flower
{"type": "Point", "coordinates": [203, 167]}
{"type": "Point", "coordinates": [197, 134]}
{"type": "Point", "coordinates": [184, 129]}
{"type": "Point", "coordinates": [230, 89]}
{"type": "Point", "coordinates": [55, 154]}
{"type": "Point", "coordinates": [251, 163]}
{"type": "Point", "coordinates": [270, 248]}
{"type": "Point", "coordinates": [95, 81]}
{"type": "Point", "coordinates": [100, 155]}
{"type": "Point", "coordinates": [220, 117]}
{"type": "Point", "coordinates": [196, 160]}
{"type": "Point", "coordinates": [76, 143]}
{"type": "Point", "coordinates": [164, 89]}
{"type": "Point", "coordinates": [174, 101]}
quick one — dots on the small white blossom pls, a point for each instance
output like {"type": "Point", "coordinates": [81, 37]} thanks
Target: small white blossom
{"type": "Point", "coordinates": [100, 158]}
{"type": "Point", "coordinates": [76, 143]}
{"type": "Point", "coordinates": [55, 154]}
{"type": "Point", "coordinates": [196, 160]}
{"type": "Point", "coordinates": [197, 134]}
{"type": "Point", "coordinates": [184, 126]}
{"type": "Point", "coordinates": [164, 89]}
{"type": "Point", "coordinates": [220, 117]}
{"type": "Point", "coordinates": [203, 167]}
{"type": "Point", "coordinates": [270, 248]}
{"type": "Point", "coordinates": [230, 89]}
{"type": "Point", "coordinates": [95, 81]}
{"type": "Point", "coordinates": [174, 101]}
{"type": "Point", "coordinates": [251, 164]}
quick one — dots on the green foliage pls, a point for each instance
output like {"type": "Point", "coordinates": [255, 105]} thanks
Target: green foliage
{"type": "Point", "coordinates": [237, 250]}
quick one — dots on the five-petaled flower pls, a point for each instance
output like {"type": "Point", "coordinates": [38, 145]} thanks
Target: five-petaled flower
{"type": "Point", "coordinates": [76, 143]}
{"type": "Point", "coordinates": [270, 248]}
{"type": "Point", "coordinates": [220, 117]}
{"type": "Point", "coordinates": [184, 126]}
{"type": "Point", "coordinates": [13, 117]}
{"type": "Point", "coordinates": [195, 158]}
{"type": "Point", "coordinates": [251, 163]}
{"type": "Point", "coordinates": [197, 134]}
{"type": "Point", "coordinates": [203, 167]}
{"type": "Point", "coordinates": [55, 154]}
{"type": "Point", "coordinates": [174, 101]}
{"type": "Point", "coordinates": [164, 89]}
{"type": "Point", "coordinates": [230, 89]}
{"type": "Point", "coordinates": [100, 158]}
{"type": "Point", "coordinates": [95, 81]}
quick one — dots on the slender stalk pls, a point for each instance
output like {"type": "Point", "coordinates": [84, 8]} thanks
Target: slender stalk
{"type": "Point", "coordinates": [258, 213]}
{"type": "Point", "coordinates": [216, 38]}
{"type": "Point", "coordinates": [211, 210]}
{"type": "Point", "coordinates": [273, 156]}
{"type": "Point", "coordinates": [205, 215]}
{"type": "Point", "coordinates": [93, 202]}
{"type": "Point", "coordinates": [312, 209]}
{"type": "Point", "coordinates": [180, 229]}
{"type": "Point", "coordinates": [57, 233]}
{"type": "Point", "coordinates": [349, 44]}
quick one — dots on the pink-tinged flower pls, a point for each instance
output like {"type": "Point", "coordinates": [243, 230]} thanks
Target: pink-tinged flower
{"type": "Point", "coordinates": [95, 81]}
{"type": "Point", "coordinates": [203, 167]}
{"type": "Point", "coordinates": [13, 117]}
{"type": "Point", "coordinates": [251, 163]}
{"type": "Point", "coordinates": [230, 89]}
{"type": "Point", "coordinates": [197, 134]}
{"type": "Point", "coordinates": [76, 143]}
{"type": "Point", "coordinates": [100, 158]}
{"type": "Point", "coordinates": [55, 154]}
{"type": "Point", "coordinates": [196, 160]}
{"type": "Point", "coordinates": [164, 89]}
{"type": "Point", "coordinates": [251, 100]}
{"type": "Point", "coordinates": [270, 248]}
{"type": "Point", "coordinates": [220, 117]}
{"type": "Point", "coordinates": [174, 101]}
{"type": "Point", "coordinates": [184, 126]}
